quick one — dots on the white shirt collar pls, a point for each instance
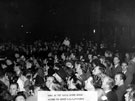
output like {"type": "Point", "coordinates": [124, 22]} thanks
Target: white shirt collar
{"type": "Point", "coordinates": [116, 65]}
{"type": "Point", "coordinates": [108, 91]}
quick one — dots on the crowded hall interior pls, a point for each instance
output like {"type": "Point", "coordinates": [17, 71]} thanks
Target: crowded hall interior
{"type": "Point", "coordinates": [67, 45]}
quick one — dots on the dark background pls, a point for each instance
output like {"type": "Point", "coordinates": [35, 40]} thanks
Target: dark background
{"type": "Point", "coordinates": [27, 20]}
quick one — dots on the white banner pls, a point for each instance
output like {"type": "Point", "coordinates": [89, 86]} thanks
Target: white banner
{"type": "Point", "coordinates": [67, 96]}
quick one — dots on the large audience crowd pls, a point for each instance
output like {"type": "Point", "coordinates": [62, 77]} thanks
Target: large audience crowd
{"type": "Point", "coordinates": [62, 66]}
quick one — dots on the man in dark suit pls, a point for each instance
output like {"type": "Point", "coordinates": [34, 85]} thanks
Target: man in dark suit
{"type": "Point", "coordinates": [116, 68]}
{"type": "Point", "coordinates": [107, 86]}
{"type": "Point", "coordinates": [124, 66]}
{"type": "Point", "coordinates": [131, 71]}
{"type": "Point", "coordinates": [4, 92]}
{"type": "Point", "coordinates": [121, 88]}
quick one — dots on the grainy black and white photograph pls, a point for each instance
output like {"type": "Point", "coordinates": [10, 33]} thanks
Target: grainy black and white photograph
{"type": "Point", "coordinates": [67, 50]}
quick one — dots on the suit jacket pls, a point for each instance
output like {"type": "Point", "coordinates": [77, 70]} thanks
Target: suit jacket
{"type": "Point", "coordinates": [130, 74]}
{"type": "Point", "coordinates": [111, 96]}
{"type": "Point", "coordinates": [127, 78]}
{"type": "Point", "coordinates": [109, 72]}
{"type": "Point", "coordinates": [115, 70]}
{"type": "Point", "coordinates": [120, 92]}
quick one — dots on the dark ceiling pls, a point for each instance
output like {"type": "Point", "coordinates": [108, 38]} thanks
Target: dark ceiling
{"type": "Point", "coordinates": [62, 16]}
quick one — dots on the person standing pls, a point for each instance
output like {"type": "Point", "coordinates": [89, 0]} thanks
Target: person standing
{"type": "Point", "coordinates": [107, 86]}
{"type": "Point", "coordinates": [131, 71]}
{"type": "Point", "coordinates": [116, 68]}
{"type": "Point", "coordinates": [121, 88]}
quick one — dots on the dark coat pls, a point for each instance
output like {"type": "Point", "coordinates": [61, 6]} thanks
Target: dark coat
{"type": "Point", "coordinates": [120, 92]}
{"type": "Point", "coordinates": [112, 96]}
{"type": "Point", "coordinates": [116, 70]}
{"type": "Point", "coordinates": [130, 74]}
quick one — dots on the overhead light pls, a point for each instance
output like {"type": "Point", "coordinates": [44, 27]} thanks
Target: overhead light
{"type": "Point", "coordinates": [94, 31]}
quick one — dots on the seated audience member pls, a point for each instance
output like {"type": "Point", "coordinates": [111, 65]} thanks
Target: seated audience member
{"type": "Point", "coordinates": [13, 89]}
{"type": "Point", "coordinates": [4, 93]}
{"type": "Point", "coordinates": [17, 69]}
{"type": "Point", "coordinates": [95, 62]}
{"type": "Point", "coordinates": [9, 64]}
{"type": "Point", "coordinates": [107, 86]}
{"type": "Point", "coordinates": [127, 57]}
{"type": "Point", "coordinates": [66, 42]}
{"type": "Point", "coordinates": [4, 83]}
{"type": "Point", "coordinates": [28, 82]}
{"type": "Point", "coordinates": [89, 56]}
{"type": "Point", "coordinates": [21, 81]}
{"type": "Point", "coordinates": [74, 83]}
{"type": "Point", "coordinates": [11, 76]}
{"type": "Point", "coordinates": [116, 68]}
{"type": "Point", "coordinates": [52, 84]}
{"type": "Point", "coordinates": [124, 66]}
{"type": "Point", "coordinates": [121, 88]}
{"type": "Point", "coordinates": [99, 75]}
{"type": "Point", "coordinates": [82, 71]}
{"type": "Point", "coordinates": [24, 83]}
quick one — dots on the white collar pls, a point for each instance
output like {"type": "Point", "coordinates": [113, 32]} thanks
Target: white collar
{"type": "Point", "coordinates": [116, 65]}
{"type": "Point", "coordinates": [108, 91]}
